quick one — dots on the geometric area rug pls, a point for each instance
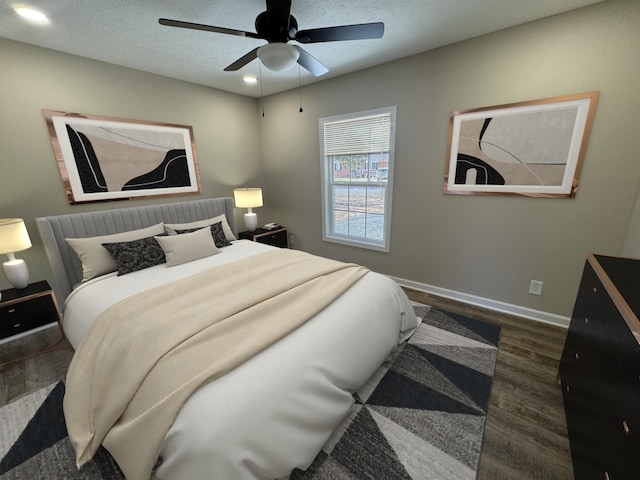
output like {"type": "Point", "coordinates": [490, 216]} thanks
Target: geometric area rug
{"type": "Point", "coordinates": [421, 416]}
{"type": "Point", "coordinates": [34, 443]}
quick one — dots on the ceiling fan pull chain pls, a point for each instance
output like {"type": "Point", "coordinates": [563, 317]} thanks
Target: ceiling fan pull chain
{"type": "Point", "coordinates": [260, 80]}
{"type": "Point", "coordinates": [300, 87]}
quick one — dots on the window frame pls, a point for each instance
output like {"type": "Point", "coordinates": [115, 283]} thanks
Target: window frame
{"type": "Point", "coordinates": [328, 182]}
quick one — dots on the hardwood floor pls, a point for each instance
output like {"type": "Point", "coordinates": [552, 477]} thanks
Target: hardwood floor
{"type": "Point", "coordinates": [525, 431]}
{"type": "Point", "coordinates": [525, 435]}
{"type": "Point", "coordinates": [19, 379]}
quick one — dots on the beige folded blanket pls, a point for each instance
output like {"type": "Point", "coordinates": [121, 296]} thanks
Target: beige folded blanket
{"type": "Point", "coordinates": [144, 356]}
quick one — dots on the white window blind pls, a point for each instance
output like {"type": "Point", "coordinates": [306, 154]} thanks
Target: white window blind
{"type": "Point", "coordinates": [368, 134]}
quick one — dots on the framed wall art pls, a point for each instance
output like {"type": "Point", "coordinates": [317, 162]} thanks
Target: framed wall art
{"type": "Point", "coordinates": [105, 158]}
{"type": "Point", "coordinates": [533, 148]}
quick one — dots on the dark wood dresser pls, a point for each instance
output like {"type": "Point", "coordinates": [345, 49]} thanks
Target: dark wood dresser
{"type": "Point", "coordinates": [600, 371]}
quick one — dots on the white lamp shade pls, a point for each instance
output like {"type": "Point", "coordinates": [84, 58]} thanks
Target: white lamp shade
{"type": "Point", "coordinates": [13, 235]}
{"type": "Point", "coordinates": [278, 56]}
{"type": "Point", "coordinates": [248, 197]}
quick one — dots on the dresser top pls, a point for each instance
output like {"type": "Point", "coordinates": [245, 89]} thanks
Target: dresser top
{"type": "Point", "coordinates": [624, 273]}
{"type": "Point", "coordinates": [621, 277]}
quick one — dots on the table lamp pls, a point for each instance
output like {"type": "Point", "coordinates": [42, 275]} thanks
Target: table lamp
{"type": "Point", "coordinates": [14, 238]}
{"type": "Point", "coordinates": [249, 198]}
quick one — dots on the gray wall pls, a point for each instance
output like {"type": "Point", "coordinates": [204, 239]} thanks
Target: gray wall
{"type": "Point", "coordinates": [490, 247]}
{"type": "Point", "coordinates": [631, 246]}
{"type": "Point", "coordinates": [225, 129]}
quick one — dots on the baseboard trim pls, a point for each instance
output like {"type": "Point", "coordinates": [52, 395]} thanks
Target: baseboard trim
{"type": "Point", "coordinates": [495, 305]}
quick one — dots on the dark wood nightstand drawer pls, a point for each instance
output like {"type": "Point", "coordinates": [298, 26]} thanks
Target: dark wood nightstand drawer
{"type": "Point", "coordinates": [24, 310]}
{"type": "Point", "coordinates": [24, 316]}
{"type": "Point", "coordinates": [277, 238]}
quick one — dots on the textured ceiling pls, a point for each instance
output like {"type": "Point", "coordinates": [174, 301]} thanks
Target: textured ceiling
{"type": "Point", "coordinates": [127, 33]}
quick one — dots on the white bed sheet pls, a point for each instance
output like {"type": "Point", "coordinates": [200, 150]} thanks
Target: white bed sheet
{"type": "Point", "coordinates": [91, 298]}
{"type": "Point", "coordinates": [274, 412]}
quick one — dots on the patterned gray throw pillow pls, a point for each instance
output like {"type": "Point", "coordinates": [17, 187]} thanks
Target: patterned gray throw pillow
{"type": "Point", "coordinates": [135, 255]}
{"type": "Point", "coordinates": [217, 233]}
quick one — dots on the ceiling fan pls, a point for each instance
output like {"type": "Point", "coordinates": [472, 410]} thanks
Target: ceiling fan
{"type": "Point", "coordinates": [277, 26]}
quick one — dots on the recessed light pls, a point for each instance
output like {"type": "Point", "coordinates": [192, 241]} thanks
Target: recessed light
{"type": "Point", "coordinates": [31, 14]}
{"type": "Point", "coordinates": [250, 79]}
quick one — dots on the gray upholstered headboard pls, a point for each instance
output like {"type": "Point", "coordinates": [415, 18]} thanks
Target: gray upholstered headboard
{"type": "Point", "coordinates": [65, 264]}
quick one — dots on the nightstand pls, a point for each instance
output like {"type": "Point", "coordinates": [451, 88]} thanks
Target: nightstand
{"type": "Point", "coordinates": [277, 237]}
{"type": "Point", "coordinates": [26, 309]}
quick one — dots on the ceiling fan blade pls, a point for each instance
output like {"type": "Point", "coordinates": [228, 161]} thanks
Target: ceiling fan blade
{"type": "Point", "coordinates": [362, 31]}
{"type": "Point", "coordinates": [310, 63]}
{"type": "Point", "coordinates": [206, 28]}
{"type": "Point", "coordinates": [242, 61]}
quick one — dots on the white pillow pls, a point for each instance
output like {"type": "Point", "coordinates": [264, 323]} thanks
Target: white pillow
{"type": "Point", "coordinates": [171, 228]}
{"type": "Point", "coordinates": [96, 260]}
{"type": "Point", "coordinates": [186, 247]}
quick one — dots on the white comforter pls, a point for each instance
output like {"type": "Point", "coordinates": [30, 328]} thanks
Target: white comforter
{"type": "Point", "coordinates": [274, 412]}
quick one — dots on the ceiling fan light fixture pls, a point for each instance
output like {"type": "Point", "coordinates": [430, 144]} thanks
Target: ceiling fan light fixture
{"type": "Point", "coordinates": [278, 56]}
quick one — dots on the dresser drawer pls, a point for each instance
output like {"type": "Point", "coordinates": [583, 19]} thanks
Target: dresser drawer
{"type": "Point", "coordinates": [24, 316]}
{"type": "Point", "coordinates": [627, 351]}
{"type": "Point", "coordinates": [592, 452]}
{"type": "Point", "coordinates": [624, 431]}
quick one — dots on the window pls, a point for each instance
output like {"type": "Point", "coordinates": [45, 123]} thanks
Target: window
{"type": "Point", "coordinates": [357, 177]}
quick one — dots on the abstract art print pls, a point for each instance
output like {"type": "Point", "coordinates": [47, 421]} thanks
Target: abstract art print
{"type": "Point", "coordinates": [105, 158]}
{"type": "Point", "coordinates": [532, 148]}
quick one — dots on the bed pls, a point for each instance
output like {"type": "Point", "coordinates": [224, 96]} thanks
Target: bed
{"type": "Point", "coordinates": [263, 417]}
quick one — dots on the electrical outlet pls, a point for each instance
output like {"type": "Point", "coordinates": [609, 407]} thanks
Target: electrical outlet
{"type": "Point", "coordinates": [292, 239]}
{"type": "Point", "coordinates": [535, 287]}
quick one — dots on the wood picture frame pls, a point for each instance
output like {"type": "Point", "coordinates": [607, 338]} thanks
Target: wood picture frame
{"type": "Point", "coordinates": [105, 158]}
{"type": "Point", "coordinates": [534, 148]}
